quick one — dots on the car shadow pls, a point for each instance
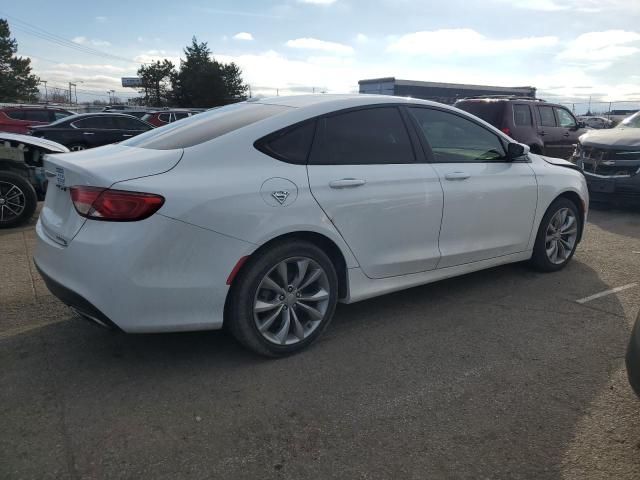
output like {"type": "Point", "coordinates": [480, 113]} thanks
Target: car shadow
{"type": "Point", "coordinates": [482, 376]}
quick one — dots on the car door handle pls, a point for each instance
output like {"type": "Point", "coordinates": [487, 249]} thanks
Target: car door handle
{"type": "Point", "coordinates": [127, 135]}
{"type": "Point", "coordinates": [456, 176]}
{"type": "Point", "coordinates": [566, 134]}
{"type": "Point", "coordinates": [541, 133]}
{"type": "Point", "coordinates": [88, 133]}
{"type": "Point", "coordinates": [347, 183]}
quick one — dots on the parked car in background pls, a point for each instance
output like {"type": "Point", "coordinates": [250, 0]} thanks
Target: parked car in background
{"type": "Point", "coordinates": [547, 128]}
{"type": "Point", "coordinates": [19, 119]}
{"type": "Point", "coordinates": [597, 123]}
{"type": "Point", "coordinates": [610, 160]}
{"type": "Point", "coordinates": [22, 177]}
{"type": "Point", "coordinates": [90, 130]}
{"type": "Point", "coordinates": [632, 359]}
{"type": "Point", "coordinates": [263, 214]}
{"type": "Point", "coordinates": [165, 117]}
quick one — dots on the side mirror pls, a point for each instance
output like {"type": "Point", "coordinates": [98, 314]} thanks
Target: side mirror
{"type": "Point", "coordinates": [581, 125]}
{"type": "Point", "coordinates": [516, 150]}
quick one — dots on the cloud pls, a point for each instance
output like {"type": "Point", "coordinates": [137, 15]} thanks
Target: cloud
{"type": "Point", "coordinates": [151, 56]}
{"type": "Point", "coordinates": [362, 38]}
{"type": "Point", "coordinates": [243, 36]}
{"type": "Point", "coordinates": [101, 19]}
{"type": "Point", "coordinates": [463, 42]}
{"type": "Point", "coordinates": [321, 45]}
{"type": "Point", "coordinates": [598, 47]}
{"type": "Point", "coordinates": [317, 2]}
{"type": "Point", "coordinates": [89, 41]}
{"type": "Point", "coordinates": [584, 6]}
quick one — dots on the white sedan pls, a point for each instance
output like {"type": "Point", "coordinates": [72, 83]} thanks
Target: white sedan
{"type": "Point", "coordinates": [262, 215]}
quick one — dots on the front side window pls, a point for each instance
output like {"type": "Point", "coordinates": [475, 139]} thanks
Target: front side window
{"type": "Point", "coordinates": [547, 118]}
{"type": "Point", "coordinates": [164, 117]}
{"type": "Point", "coordinates": [522, 115]}
{"type": "Point", "coordinates": [36, 116]}
{"type": "Point", "coordinates": [361, 137]}
{"type": "Point", "coordinates": [454, 139]}
{"type": "Point", "coordinates": [565, 119]}
{"type": "Point", "coordinates": [180, 115]}
{"type": "Point", "coordinates": [15, 114]}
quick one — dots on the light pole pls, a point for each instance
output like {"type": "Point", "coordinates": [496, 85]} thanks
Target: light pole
{"type": "Point", "coordinates": [113, 95]}
{"type": "Point", "coordinates": [46, 95]}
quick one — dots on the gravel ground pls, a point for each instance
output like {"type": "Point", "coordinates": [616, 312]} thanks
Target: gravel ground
{"type": "Point", "coordinates": [497, 374]}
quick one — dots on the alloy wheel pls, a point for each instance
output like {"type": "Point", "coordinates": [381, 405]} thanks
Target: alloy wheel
{"type": "Point", "coordinates": [12, 201]}
{"type": "Point", "coordinates": [77, 148]}
{"type": "Point", "coordinates": [291, 301]}
{"type": "Point", "coordinates": [561, 236]}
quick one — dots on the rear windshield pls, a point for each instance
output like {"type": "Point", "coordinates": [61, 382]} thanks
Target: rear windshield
{"type": "Point", "coordinates": [489, 111]}
{"type": "Point", "coordinates": [204, 126]}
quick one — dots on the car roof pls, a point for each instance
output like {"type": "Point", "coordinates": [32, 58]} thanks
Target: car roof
{"type": "Point", "coordinates": [33, 107]}
{"type": "Point", "coordinates": [338, 100]}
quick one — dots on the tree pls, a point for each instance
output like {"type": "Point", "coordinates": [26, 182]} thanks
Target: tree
{"type": "Point", "coordinates": [204, 82]}
{"type": "Point", "coordinates": [156, 79]}
{"type": "Point", "coordinates": [16, 81]}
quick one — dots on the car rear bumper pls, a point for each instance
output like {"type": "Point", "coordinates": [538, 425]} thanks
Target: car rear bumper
{"type": "Point", "coordinates": [156, 275]}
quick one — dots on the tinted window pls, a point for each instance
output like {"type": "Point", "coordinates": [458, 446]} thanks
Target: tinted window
{"type": "Point", "coordinates": [15, 114]}
{"type": "Point", "coordinates": [565, 119]}
{"type": "Point", "coordinates": [522, 115]}
{"type": "Point", "coordinates": [491, 111]}
{"type": "Point", "coordinates": [37, 116]}
{"type": "Point", "coordinates": [454, 139]}
{"type": "Point", "coordinates": [95, 122]}
{"type": "Point", "coordinates": [360, 137]}
{"type": "Point", "coordinates": [547, 119]}
{"type": "Point", "coordinates": [125, 123]}
{"type": "Point", "coordinates": [181, 115]}
{"type": "Point", "coordinates": [290, 145]}
{"type": "Point", "coordinates": [164, 117]}
{"type": "Point", "coordinates": [205, 126]}
{"type": "Point", "coordinates": [59, 115]}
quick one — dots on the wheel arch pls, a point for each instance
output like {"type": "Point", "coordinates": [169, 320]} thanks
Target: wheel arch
{"type": "Point", "coordinates": [575, 198]}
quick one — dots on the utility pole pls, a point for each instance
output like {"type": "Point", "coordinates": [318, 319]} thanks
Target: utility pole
{"type": "Point", "coordinates": [109, 93]}
{"type": "Point", "coordinates": [70, 99]}
{"type": "Point", "coordinates": [249, 91]}
{"type": "Point", "coordinates": [113, 96]}
{"type": "Point", "coordinates": [46, 95]}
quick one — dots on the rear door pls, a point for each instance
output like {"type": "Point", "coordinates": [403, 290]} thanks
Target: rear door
{"type": "Point", "coordinates": [364, 173]}
{"type": "Point", "coordinates": [130, 127]}
{"type": "Point", "coordinates": [96, 131]}
{"type": "Point", "coordinates": [489, 202]}
{"type": "Point", "coordinates": [549, 131]}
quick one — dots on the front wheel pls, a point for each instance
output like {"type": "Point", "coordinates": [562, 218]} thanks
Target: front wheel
{"type": "Point", "coordinates": [18, 200]}
{"type": "Point", "coordinates": [283, 299]}
{"type": "Point", "coordinates": [557, 237]}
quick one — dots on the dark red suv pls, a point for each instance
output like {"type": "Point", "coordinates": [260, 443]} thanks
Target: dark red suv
{"type": "Point", "coordinates": [549, 129]}
{"type": "Point", "coordinates": [19, 119]}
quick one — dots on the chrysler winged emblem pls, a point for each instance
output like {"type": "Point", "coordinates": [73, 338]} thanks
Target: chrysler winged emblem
{"type": "Point", "coordinates": [280, 196]}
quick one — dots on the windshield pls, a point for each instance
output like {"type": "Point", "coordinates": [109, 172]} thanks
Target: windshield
{"type": "Point", "coordinates": [631, 122]}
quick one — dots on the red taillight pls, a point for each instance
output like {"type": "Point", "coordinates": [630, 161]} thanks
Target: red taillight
{"type": "Point", "coordinates": [114, 205]}
{"type": "Point", "coordinates": [506, 130]}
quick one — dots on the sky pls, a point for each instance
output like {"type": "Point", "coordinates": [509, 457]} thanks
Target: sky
{"type": "Point", "coordinates": [569, 49]}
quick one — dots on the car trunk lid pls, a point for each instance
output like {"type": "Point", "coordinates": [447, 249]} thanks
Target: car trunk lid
{"type": "Point", "coordinates": [101, 167]}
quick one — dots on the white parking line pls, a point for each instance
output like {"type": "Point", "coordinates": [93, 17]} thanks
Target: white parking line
{"type": "Point", "coordinates": [606, 292]}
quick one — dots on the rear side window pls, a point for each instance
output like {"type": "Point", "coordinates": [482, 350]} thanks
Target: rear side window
{"type": "Point", "coordinates": [58, 115]}
{"type": "Point", "coordinates": [361, 137]}
{"type": "Point", "coordinates": [164, 117]}
{"type": "Point", "coordinates": [490, 111]}
{"type": "Point", "coordinates": [15, 114]}
{"type": "Point", "coordinates": [130, 124]}
{"type": "Point", "coordinates": [180, 115]}
{"type": "Point", "coordinates": [205, 126]}
{"type": "Point", "coordinates": [289, 145]}
{"type": "Point", "coordinates": [99, 123]}
{"type": "Point", "coordinates": [547, 118]}
{"type": "Point", "coordinates": [37, 116]}
{"type": "Point", "coordinates": [522, 116]}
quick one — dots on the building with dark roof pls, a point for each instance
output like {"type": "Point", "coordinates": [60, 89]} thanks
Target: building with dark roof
{"type": "Point", "coordinates": [439, 92]}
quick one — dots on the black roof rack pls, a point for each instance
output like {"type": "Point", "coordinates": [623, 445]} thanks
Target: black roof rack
{"type": "Point", "coordinates": [504, 97]}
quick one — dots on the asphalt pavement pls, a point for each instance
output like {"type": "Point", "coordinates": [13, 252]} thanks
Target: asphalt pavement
{"type": "Point", "coordinates": [497, 374]}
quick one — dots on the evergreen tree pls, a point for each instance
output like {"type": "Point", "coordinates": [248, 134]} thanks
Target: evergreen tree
{"type": "Point", "coordinates": [157, 78]}
{"type": "Point", "coordinates": [17, 83]}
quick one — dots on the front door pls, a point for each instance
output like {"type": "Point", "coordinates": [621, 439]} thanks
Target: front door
{"type": "Point", "coordinates": [489, 202]}
{"type": "Point", "coordinates": [386, 205]}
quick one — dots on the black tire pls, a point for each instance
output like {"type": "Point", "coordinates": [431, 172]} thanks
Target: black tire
{"type": "Point", "coordinates": [77, 147]}
{"type": "Point", "coordinates": [540, 260]}
{"type": "Point", "coordinates": [537, 149]}
{"type": "Point", "coordinates": [240, 308]}
{"type": "Point", "coordinates": [26, 203]}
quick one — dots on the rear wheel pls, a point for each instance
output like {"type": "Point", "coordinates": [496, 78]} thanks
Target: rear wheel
{"type": "Point", "coordinates": [557, 237]}
{"type": "Point", "coordinates": [18, 200]}
{"type": "Point", "coordinates": [283, 299]}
